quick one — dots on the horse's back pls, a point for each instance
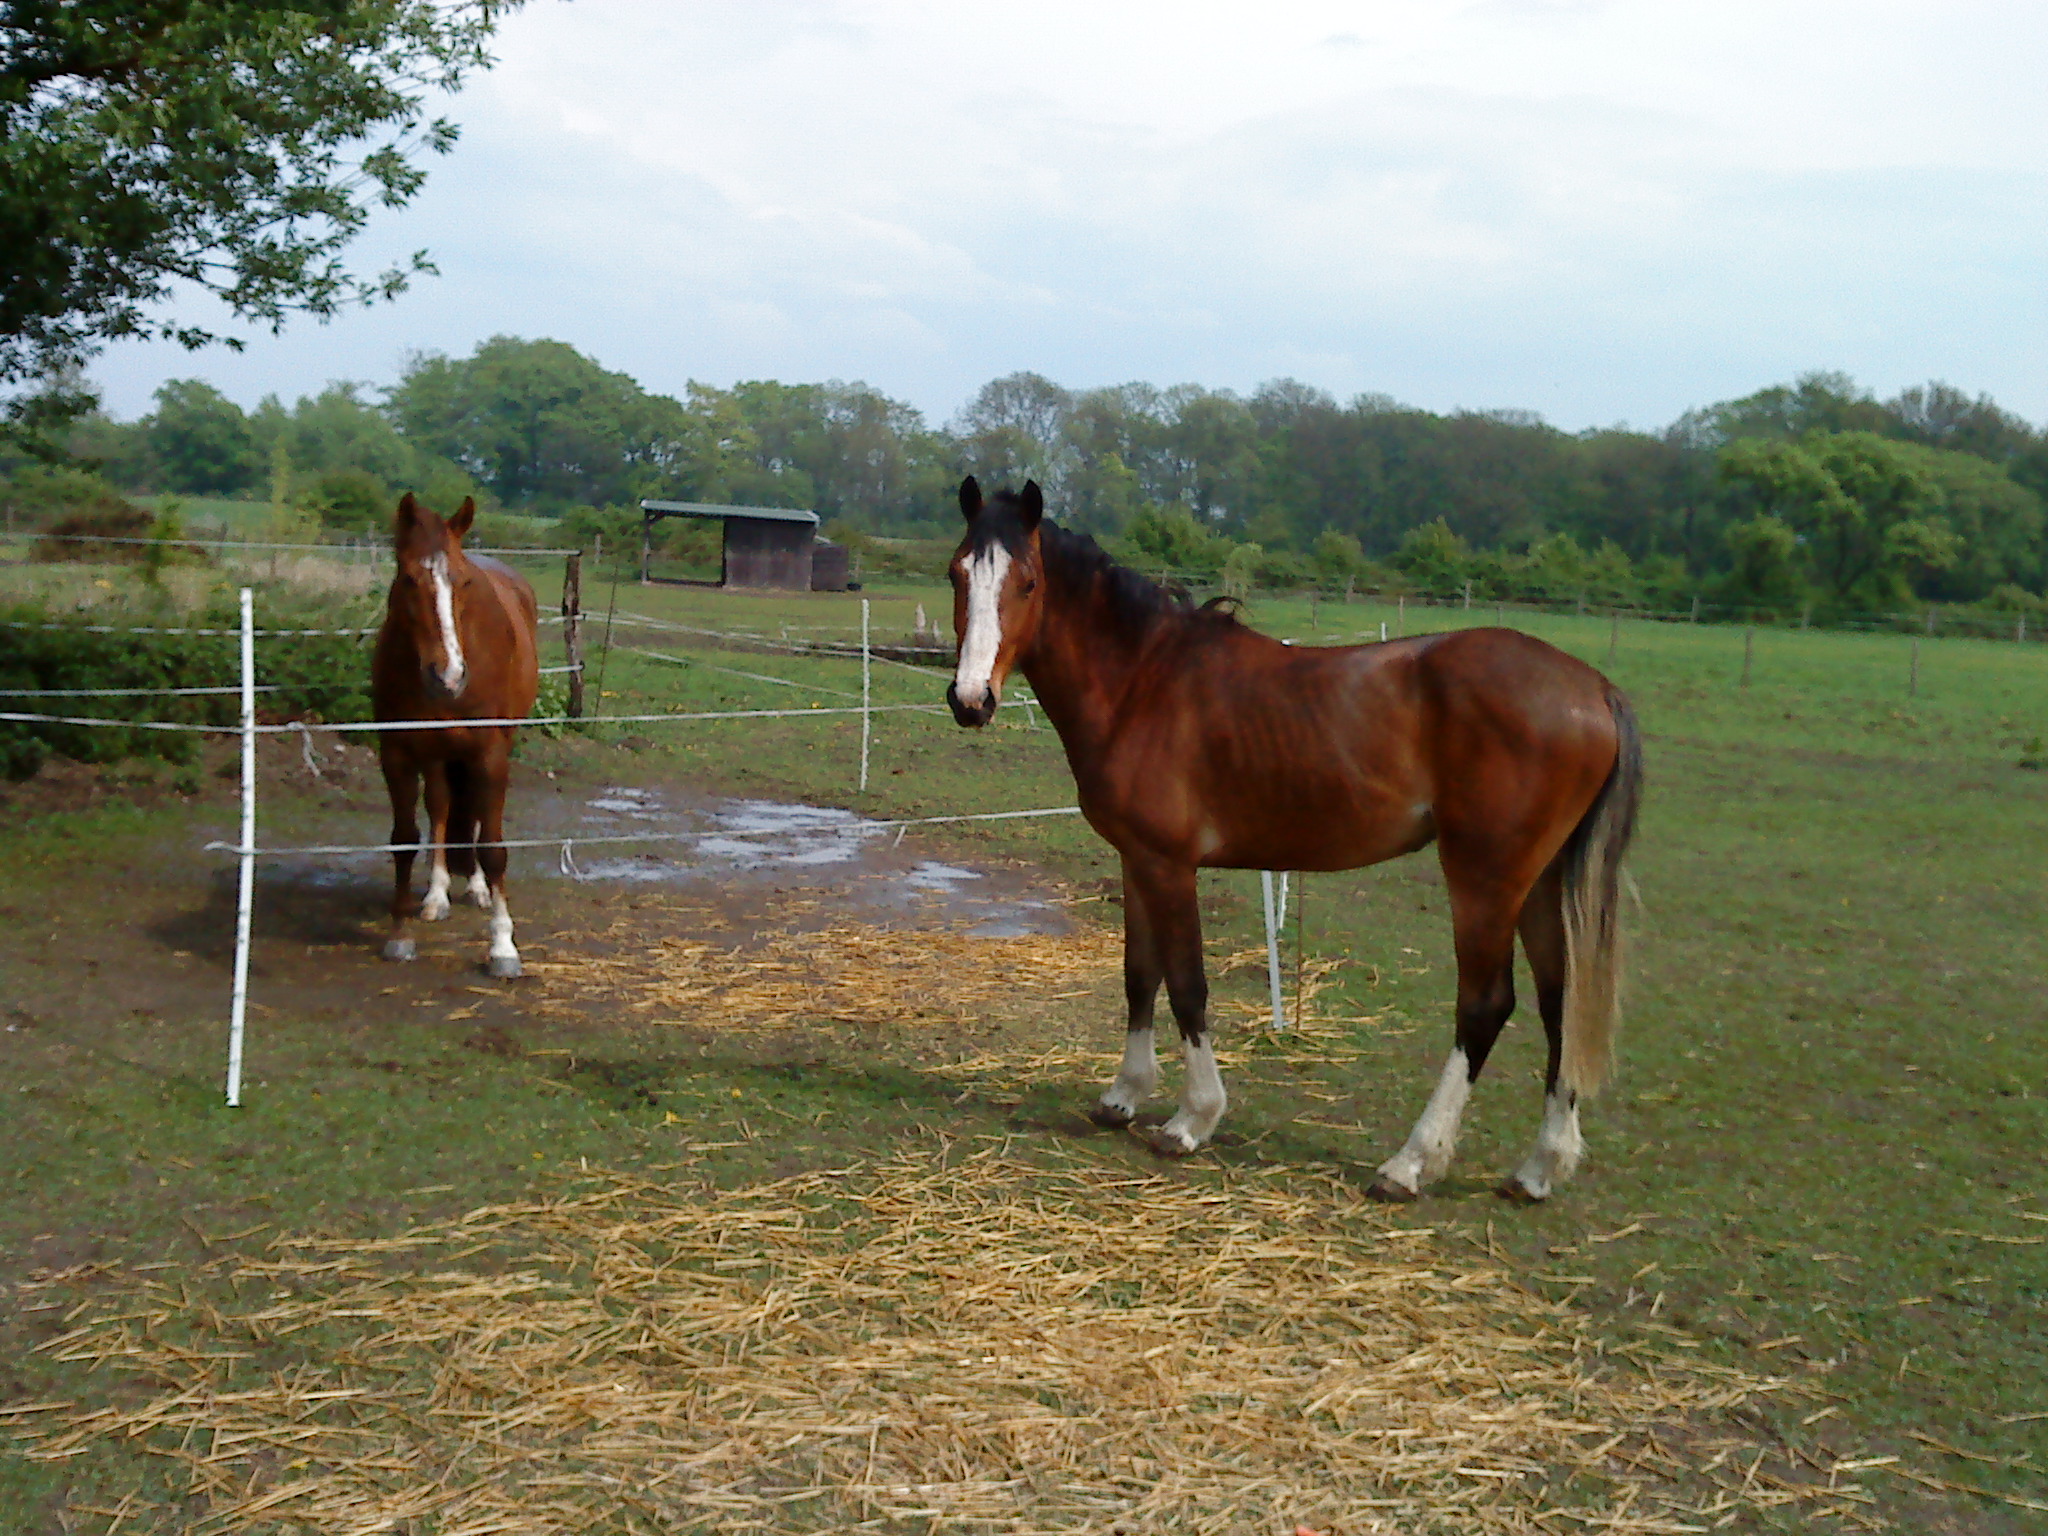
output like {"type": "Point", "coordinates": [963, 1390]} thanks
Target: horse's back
{"type": "Point", "coordinates": [514, 589]}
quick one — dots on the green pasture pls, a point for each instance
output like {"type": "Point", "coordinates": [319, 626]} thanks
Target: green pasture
{"type": "Point", "coordinates": [1823, 1152]}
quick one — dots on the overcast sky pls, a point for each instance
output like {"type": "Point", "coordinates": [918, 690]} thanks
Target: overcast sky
{"type": "Point", "coordinates": [1603, 212]}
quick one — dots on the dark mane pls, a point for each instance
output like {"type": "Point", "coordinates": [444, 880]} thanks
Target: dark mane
{"type": "Point", "coordinates": [1135, 600]}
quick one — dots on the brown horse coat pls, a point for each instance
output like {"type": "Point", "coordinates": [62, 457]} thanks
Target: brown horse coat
{"type": "Point", "coordinates": [459, 642]}
{"type": "Point", "coordinates": [1197, 742]}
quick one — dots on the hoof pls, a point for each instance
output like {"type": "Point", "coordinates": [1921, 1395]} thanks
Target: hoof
{"type": "Point", "coordinates": [1387, 1192]}
{"type": "Point", "coordinates": [1167, 1142]}
{"type": "Point", "coordinates": [480, 897]}
{"type": "Point", "coordinates": [400, 949]}
{"type": "Point", "coordinates": [505, 967]}
{"type": "Point", "coordinates": [1515, 1192]}
{"type": "Point", "coordinates": [1110, 1117]}
{"type": "Point", "coordinates": [431, 912]}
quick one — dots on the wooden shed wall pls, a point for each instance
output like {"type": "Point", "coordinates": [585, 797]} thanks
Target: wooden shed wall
{"type": "Point", "coordinates": [768, 554]}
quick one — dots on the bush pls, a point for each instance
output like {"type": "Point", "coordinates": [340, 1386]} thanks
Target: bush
{"type": "Point", "coordinates": [39, 496]}
{"type": "Point", "coordinates": [77, 537]}
{"type": "Point", "coordinates": [352, 500]}
{"type": "Point", "coordinates": [318, 677]}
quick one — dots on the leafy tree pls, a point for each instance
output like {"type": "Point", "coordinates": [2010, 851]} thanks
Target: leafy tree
{"type": "Point", "coordinates": [1939, 415]}
{"type": "Point", "coordinates": [1768, 564]}
{"type": "Point", "coordinates": [1434, 558]}
{"type": "Point", "coordinates": [1171, 537]}
{"type": "Point", "coordinates": [200, 440]}
{"type": "Point", "coordinates": [1337, 557]}
{"type": "Point", "coordinates": [234, 145]}
{"type": "Point", "coordinates": [542, 425]}
{"type": "Point", "coordinates": [1013, 431]}
{"type": "Point", "coordinates": [1864, 509]}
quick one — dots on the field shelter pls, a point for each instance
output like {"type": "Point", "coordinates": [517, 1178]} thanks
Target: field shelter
{"type": "Point", "coordinates": [761, 548]}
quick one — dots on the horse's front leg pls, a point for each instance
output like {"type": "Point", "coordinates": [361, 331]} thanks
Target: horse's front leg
{"type": "Point", "coordinates": [1138, 1076]}
{"type": "Point", "coordinates": [494, 775]}
{"type": "Point", "coordinates": [1168, 896]}
{"type": "Point", "coordinates": [435, 906]}
{"type": "Point", "coordinates": [402, 781]}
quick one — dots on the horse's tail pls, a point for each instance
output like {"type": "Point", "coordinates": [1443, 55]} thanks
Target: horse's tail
{"type": "Point", "coordinates": [1592, 910]}
{"type": "Point", "coordinates": [462, 819]}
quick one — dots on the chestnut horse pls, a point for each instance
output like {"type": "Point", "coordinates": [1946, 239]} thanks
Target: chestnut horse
{"type": "Point", "coordinates": [459, 642]}
{"type": "Point", "coordinates": [1196, 742]}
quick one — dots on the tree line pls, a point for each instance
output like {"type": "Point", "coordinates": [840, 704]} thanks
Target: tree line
{"type": "Point", "coordinates": [1815, 497]}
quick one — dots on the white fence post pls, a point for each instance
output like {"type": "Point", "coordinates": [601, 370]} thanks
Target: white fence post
{"type": "Point", "coordinates": [1276, 916]}
{"type": "Point", "coordinates": [245, 896]}
{"type": "Point", "coordinates": [866, 713]}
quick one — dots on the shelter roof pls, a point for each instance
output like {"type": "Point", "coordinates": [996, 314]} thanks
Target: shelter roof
{"type": "Point", "coordinates": [745, 514]}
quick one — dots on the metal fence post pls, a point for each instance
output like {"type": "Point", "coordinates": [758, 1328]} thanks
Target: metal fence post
{"type": "Point", "coordinates": [245, 894]}
{"type": "Point", "coordinates": [1276, 915]}
{"type": "Point", "coordinates": [866, 711]}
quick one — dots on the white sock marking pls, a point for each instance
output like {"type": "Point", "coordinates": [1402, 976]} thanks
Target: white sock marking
{"type": "Point", "coordinates": [1202, 1099]}
{"type": "Point", "coordinates": [1137, 1077]}
{"type": "Point", "coordinates": [1555, 1157]}
{"type": "Point", "coordinates": [501, 929]}
{"type": "Point", "coordinates": [984, 637]}
{"type": "Point", "coordinates": [453, 673]}
{"type": "Point", "coordinates": [435, 907]}
{"type": "Point", "coordinates": [479, 888]}
{"type": "Point", "coordinates": [1427, 1153]}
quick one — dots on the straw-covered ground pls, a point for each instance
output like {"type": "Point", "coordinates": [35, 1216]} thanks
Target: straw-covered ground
{"type": "Point", "coordinates": [1819, 1163]}
{"type": "Point", "coordinates": [958, 1335]}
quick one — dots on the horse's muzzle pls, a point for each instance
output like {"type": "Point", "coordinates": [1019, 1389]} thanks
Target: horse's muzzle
{"type": "Point", "coordinates": [971, 714]}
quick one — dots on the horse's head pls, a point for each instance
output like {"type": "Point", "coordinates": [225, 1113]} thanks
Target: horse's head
{"type": "Point", "coordinates": [430, 591]}
{"type": "Point", "coordinates": [998, 595]}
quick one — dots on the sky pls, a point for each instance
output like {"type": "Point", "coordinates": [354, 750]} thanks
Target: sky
{"type": "Point", "coordinates": [1602, 212]}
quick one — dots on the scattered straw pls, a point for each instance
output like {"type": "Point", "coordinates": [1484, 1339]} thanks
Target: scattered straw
{"type": "Point", "coordinates": [950, 1338]}
{"type": "Point", "coordinates": [1053, 1002]}
{"type": "Point", "coordinates": [846, 972]}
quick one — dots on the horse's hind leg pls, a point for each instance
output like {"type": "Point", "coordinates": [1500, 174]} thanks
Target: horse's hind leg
{"type": "Point", "coordinates": [435, 906]}
{"type": "Point", "coordinates": [1484, 924]}
{"type": "Point", "coordinates": [491, 776]}
{"type": "Point", "coordinates": [1138, 1076]}
{"type": "Point", "coordinates": [1556, 1154]}
{"type": "Point", "coordinates": [402, 781]}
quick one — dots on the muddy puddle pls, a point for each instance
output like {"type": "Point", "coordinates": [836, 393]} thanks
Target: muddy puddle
{"type": "Point", "coordinates": [856, 867]}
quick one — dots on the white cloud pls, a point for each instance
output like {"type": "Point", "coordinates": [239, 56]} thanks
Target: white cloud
{"type": "Point", "coordinates": [1597, 210]}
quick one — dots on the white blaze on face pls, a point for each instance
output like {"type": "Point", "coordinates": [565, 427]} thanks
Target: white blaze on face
{"type": "Point", "coordinates": [985, 575]}
{"type": "Point", "coordinates": [453, 671]}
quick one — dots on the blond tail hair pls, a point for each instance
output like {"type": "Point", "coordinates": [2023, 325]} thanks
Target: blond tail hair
{"type": "Point", "coordinates": [1592, 911]}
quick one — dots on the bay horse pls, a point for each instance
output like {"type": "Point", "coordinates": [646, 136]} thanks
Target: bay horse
{"type": "Point", "coordinates": [459, 642]}
{"type": "Point", "coordinates": [1196, 742]}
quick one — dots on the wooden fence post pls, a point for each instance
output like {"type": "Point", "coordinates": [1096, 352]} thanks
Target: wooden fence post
{"type": "Point", "coordinates": [572, 630]}
{"type": "Point", "coordinates": [1613, 635]}
{"type": "Point", "coordinates": [1913, 672]}
{"type": "Point", "coordinates": [1748, 652]}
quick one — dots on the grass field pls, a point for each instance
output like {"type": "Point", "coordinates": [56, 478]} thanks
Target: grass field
{"type": "Point", "coordinates": [1822, 1156]}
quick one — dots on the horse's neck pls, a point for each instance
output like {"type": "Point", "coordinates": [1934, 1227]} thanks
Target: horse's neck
{"type": "Point", "coordinates": [1082, 664]}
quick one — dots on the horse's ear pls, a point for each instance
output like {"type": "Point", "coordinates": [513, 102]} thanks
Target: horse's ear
{"type": "Point", "coordinates": [465, 514]}
{"type": "Point", "coordinates": [970, 498]}
{"type": "Point", "coordinates": [1031, 505]}
{"type": "Point", "coordinates": [408, 512]}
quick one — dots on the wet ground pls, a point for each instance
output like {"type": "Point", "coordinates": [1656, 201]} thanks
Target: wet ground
{"type": "Point", "coordinates": [632, 837]}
